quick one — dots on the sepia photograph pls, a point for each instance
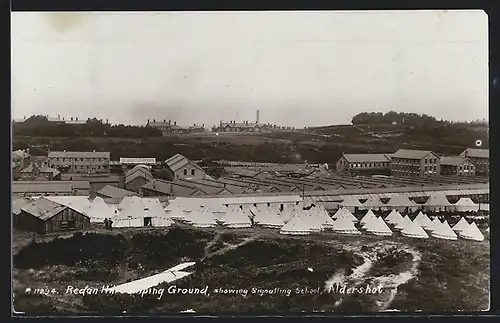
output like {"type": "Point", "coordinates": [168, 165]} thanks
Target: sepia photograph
{"type": "Point", "coordinates": [250, 162]}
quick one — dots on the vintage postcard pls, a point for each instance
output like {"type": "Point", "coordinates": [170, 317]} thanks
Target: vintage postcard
{"type": "Point", "coordinates": [250, 162]}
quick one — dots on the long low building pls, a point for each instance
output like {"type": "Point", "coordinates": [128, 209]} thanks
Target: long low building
{"type": "Point", "coordinates": [42, 188]}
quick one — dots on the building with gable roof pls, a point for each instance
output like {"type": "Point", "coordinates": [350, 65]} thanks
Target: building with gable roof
{"type": "Point", "coordinates": [179, 167]}
{"type": "Point", "coordinates": [456, 165]}
{"type": "Point", "coordinates": [480, 157]}
{"type": "Point", "coordinates": [415, 163]}
{"type": "Point", "coordinates": [45, 216]}
{"type": "Point", "coordinates": [137, 177]}
{"type": "Point", "coordinates": [364, 164]}
{"type": "Point", "coordinates": [82, 162]}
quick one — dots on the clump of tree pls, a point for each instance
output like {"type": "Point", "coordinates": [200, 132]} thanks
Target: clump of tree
{"type": "Point", "coordinates": [40, 126]}
{"type": "Point", "coordinates": [412, 119]}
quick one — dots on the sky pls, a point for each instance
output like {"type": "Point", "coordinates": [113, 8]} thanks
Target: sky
{"type": "Point", "coordinates": [298, 68]}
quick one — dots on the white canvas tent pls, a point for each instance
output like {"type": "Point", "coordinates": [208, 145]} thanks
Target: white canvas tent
{"type": "Point", "coordinates": [472, 232]}
{"type": "Point", "coordinates": [351, 203]}
{"type": "Point", "coordinates": [465, 204]}
{"type": "Point", "coordinates": [344, 225]}
{"type": "Point", "coordinates": [443, 231]}
{"type": "Point", "coordinates": [423, 220]}
{"type": "Point", "coordinates": [309, 217]}
{"type": "Point", "coordinates": [402, 224]}
{"type": "Point", "coordinates": [462, 224]}
{"type": "Point", "coordinates": [372, 203]}
{"type": "Point", "coordinates": [344, 213]}
{"type": "Point", "coordinates": [438, 203]}
{"type": "Point", "coordinates": [400, 203]}
{"type": "Point", "coordinates": [100, 210]}
{"type": "Point", "coordinates": [394, 217]}
{"type": "Point", "coordinates": [287, 214]}
{"type": "Point", "coordinates": [202, 218]}
{"type": "Point", "coordinates": [323, 218]}
{"type": "Point", "coordinates": [268, 219]}
{"type": "Point", "coordinates": [368, 216]}
{"type": "Point", "coordinates": [235, 218]}
{"type": "Point", "coordinates": [154, 210]}
{"type": "Point", "coordinates": [435, 223]}
{"type": "Point", "coordinates": [296, 226]}
{"type": "Point", "coordinates": [414, 230]}
{"type": "Point", "coordinates": [131, 213]}
{"type": "Point", "coordinates": [378, 227]}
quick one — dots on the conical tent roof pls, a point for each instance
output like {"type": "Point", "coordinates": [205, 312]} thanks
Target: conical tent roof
{"type": "Point", "coordinates": [399, 200]}
{"type": "Point", "coordinates": [296, 226]}
{"type": "Point", "coordinates": [423, 220]}
{"type": "Point", "coordinates": [394, 217]}
{"type": "Point", "coordinates": [287, 214]}
{"type": "Point", "coordinates": [202, 218]}
{"type": "Point", "coordinates": [268, 219]}
{"type": "Point", "coordinates": [434, 224]}
{"type": "Point", "coordinates": [234, 217]}
{"type": "Point", "coordinates": [377, 226]}
{"type": "Point", "coordinates": [345, 226]}
{"type": "Point", "coordinates": [351, 201]}
{"type": "Point", "coordinates": [372, 203]}
{"type": "Point", "coordinates": [472, 232]}
{"type": "Point", "coordinates": [414, 230]}
{"type": "Point", "coordinates": [311, 220]}
{"type": "Point", "coordinates": [443, 231]}
{"type": "Point", "coordinates": [369, 215]}
{"type": "Point", "coordinates": [465, 205]}
{"type": "Point", "coordinates": [437, 199]}
{"type": "Point", "coordinates": [345, 213]}
{"type": "Point", "coordinates": [461, 225]}
{"type": "Point", "coordinates": [402, 224]}
{"type": "Point", "coordinates": [99, 210]}
{"type": "Point", "coordinates": [324, 218]}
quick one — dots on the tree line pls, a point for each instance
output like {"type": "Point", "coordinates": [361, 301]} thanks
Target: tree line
{"type": "Point", "coordinates": [414, 119]}
{"type": "Point", "coordinates": [40, 126]}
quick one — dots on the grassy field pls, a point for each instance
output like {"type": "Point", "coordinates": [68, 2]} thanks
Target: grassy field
{"type": "Point", "coordinates": [429, 275]}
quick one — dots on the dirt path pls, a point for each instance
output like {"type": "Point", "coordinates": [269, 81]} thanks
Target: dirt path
{"type": "Point", "coordinates": [389, 283]}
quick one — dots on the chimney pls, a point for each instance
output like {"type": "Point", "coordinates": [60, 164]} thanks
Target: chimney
{"type": "Point", "coordinates": [246, 123]}
{"type": "Point", "coordinates": [169, 122]}
{"type": "Point", "coordinates": [221, 123]}
{"type": "Point", "coordinates": [148, 120]}
{"type": "Point", "coordinates": [164, 120]}
{"type": "Point", "coordinates": [71, 118]}
{"type": "Point", "coordinates": [154, 120]}
{"type": "Point", "coordinates": [63, 118]}
{"type": "Point", "coordinates": [175, 123]}
{"type": "Point", "coordinates": [76, 118]}
{"type": "Point", "coordinates": [24, 117]}
{"type": "Point", "coordinates": [258, 116]}
{"type": "Point", "coordinates": [107, 121]}
{"type": "Point", "coordinates": [58, 116]}
{"type": "Point", "coordinates": [203, 125]}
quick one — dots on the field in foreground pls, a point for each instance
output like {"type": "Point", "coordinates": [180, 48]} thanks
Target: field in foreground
{"type": "Point", "coordinates": [428, 275]}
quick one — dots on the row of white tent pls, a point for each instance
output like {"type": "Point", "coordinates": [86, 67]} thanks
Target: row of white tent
{"type": "Point", "coordinates": [435, 203]}
{"type": "Point", "coordinates": [292, 219]}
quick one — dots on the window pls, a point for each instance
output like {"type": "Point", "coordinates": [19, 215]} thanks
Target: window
{"type": "Point", "coordinates": [192, 171]}
{"type": "Point", "coordinates": [425, 161]}
{"type": "Point", "coordinates": [185, 171]}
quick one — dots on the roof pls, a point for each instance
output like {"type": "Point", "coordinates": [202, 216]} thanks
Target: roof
{"type": "Point", "coordinates": [136, 172]}
{"type": "Point", "coordinates": [176, 162]}
{"type": "Point", "coordinates": [376, 158]}
{"type": "Point", "coordinates": [139, 160]}
{"type": "Point", "coordinates": [42, 169]}
{"type": "Point", "coordinates": [242, 125]}
{"type": "Point", "coordinates": [80, 204]}
{"type": "Point", "coordinates": [18, 203]}
{"type": "Point", "coordinates": [20, 154]}
{"type": "Point", "coordinates": [78, 154]}
{"type": "Point", "coordinates": [115, 192]}
{"type": "Point", "coordinates": [48, 186]}
{"type": "Point", "coordinates": [476, 153]}
{"type": "Point", "coordinates": [411, 154]}
{"type": "Point", "coordinates": [453, 160]}
{"type": "Point", "coordinates": [43, 208]}
{"type": "Point", "coordinates": [258, 199]}
{"type": "Point", "coordinates": [169, 188]}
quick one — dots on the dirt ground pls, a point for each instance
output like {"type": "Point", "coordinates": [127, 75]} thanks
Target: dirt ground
{"type": "Point", "coordinates": [410, 274]}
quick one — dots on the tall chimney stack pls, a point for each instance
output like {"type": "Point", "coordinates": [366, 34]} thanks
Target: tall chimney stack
{"type": "Point", "coordinates": [258, 116]}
